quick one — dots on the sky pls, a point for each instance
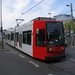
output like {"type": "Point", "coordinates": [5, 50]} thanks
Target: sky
{"type": "Point", "coordinates": [13, 9]}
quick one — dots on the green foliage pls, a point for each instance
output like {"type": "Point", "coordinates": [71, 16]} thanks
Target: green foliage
{"type": "Point", "coordinates": [68, 25]}
{"type": "Point", "coordinates": [69, 38]}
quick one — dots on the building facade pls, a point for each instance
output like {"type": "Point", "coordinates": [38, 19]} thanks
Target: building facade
{"type": "Point", "coordinates": [63, 17]}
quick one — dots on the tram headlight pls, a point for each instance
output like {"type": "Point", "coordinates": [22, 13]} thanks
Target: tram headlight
{"type": "Point", "coordinates": [50, 49]}
{"type": "Point", "coordinates": [63, 48]}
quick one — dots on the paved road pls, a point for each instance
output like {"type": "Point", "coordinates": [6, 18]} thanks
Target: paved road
{"type": "Point", "coordinates": [14, 62]}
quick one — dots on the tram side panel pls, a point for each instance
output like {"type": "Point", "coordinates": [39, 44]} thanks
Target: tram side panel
{"type": "Point", "coordinates": [39, 48]}
{"type": "Point", "coordinates": [25, 39]}
{"type": "Point", "coordinates": [9, 37]}
{"type": "Point", "coordinates": [39, 45]}
{"type": "Point", "coordinates": [32, 41]}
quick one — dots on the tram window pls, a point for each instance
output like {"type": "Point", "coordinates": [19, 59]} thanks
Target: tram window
{"type": "Point", "coordinates": [12, 36]}
{"type": "Point", "coordinates": [29, 37]}
{"type": "Point", "coordinates": [20, 40]}
{"type": "Point", "coordinates": [40, 37]}
{"type": "Point", "coordinates": [24, 37]}
{"type": "Point", "coordinates": [8, 36]}
{"type": "Point", "coordinates": [17, 37]}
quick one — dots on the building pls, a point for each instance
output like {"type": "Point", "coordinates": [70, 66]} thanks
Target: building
{"type": "Point", "coordinates": [64, 17]}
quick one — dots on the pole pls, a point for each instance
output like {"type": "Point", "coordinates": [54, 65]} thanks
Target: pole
{"type": "Point", "coordinates": [72, 24]}
{"type": "Point", "coordinates": [1, 26]}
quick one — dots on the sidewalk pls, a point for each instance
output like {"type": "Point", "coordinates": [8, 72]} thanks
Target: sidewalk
{"type": "Point", "coordinates": [70, 47]}
{"type": "Point", "coordinates": [5, 47]}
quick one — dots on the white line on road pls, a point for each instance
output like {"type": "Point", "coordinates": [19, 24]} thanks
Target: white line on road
{"type": "Point", "coordinates": [72, 59]}
{"type": "Point", "coordinates": [34, 64]}
{"type": "Point", "coordinates": [50, 74]}
{"type": "Point", "coordinates": [21, 56]}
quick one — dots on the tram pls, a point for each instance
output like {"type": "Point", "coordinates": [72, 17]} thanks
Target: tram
{"type": "Point", "coordinates": [41, 38]}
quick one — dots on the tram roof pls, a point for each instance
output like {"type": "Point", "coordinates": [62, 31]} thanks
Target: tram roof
{"type": "Point", "coordinates": [43, 18]}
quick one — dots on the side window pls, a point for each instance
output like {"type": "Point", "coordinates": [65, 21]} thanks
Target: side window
{"type": "Point", "coordinates": [40, 37]}
{"type": "Point", "coordinates": [8, 36]}
{"type": "Point", "coordinates": [17, 37]}
{"type": "Point", "coordinates": [20, 40]}
{"type": "Point", "coordinates": [12, 36]}
{"type": "Point", "coordinates": [29, 37]}
{"type": "Point", "coordinates": [24, 37]}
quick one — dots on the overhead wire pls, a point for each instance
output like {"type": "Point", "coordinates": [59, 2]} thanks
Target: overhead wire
{"type": "Point", "coordinates": [27, 11]}
{"type": "Point", "coordinates": [67, 12]}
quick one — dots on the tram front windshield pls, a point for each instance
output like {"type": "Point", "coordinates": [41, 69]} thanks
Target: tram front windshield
{"type": "Point", "coordinates": [55, 34]}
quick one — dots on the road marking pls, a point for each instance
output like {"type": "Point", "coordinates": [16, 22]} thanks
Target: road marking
{"type": "Point", "coordinates": [34, 64]}
{"type": "Point", "coordinates": [50, 74]}
{"type": "Point", "coordinates": [72, 59]}
{"type": "Point", "coordinates": [21, 56]}
{"type": "Point", "coordinates": [15, 52]}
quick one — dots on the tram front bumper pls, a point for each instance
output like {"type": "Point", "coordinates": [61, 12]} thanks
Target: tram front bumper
{"type": "Point", "coordinates": [50, 58]}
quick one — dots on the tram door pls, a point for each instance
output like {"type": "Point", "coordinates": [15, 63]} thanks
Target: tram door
{"type": "Point", "coordinates": [20, 40]}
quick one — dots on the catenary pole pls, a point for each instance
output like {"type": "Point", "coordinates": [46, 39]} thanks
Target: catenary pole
{"type": "Point", "coordinates": [1, 25]}
{"type": "Point", "coordinates": [72, 23]}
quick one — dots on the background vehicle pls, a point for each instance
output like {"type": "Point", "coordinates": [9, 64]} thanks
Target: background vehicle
{"type": "Point", "coordinates": [41, 38]}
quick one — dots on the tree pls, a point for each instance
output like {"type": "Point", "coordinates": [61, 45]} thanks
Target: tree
{"type": "Point", "coordinates": [68, 25]}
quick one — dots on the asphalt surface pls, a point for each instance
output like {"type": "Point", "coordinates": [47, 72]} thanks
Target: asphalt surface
{"type": "Point", "coordinates": [14, 62]}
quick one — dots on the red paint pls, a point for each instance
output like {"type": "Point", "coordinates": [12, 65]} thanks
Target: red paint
{"type": "Point", "coordinates": [38, 51]}
{"type": "Point", "coordinates": [41, 52]}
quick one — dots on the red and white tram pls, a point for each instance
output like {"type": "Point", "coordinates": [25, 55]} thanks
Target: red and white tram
{"type": "Point", "coordinates": [40, 38]}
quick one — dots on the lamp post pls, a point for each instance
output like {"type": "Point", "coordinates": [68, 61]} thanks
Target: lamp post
{"type": "Point", "coordinates": [1, 25]}
{"type": "Point", "coordinates": [72, 23]}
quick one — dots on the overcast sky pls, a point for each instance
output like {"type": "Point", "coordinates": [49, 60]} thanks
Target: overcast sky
{"type": "Point", "coordinates": [12, 9]}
